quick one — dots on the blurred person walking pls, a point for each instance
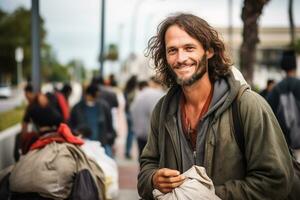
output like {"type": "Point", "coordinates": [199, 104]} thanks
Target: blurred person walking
{"type": "Point", "coordinates": [265, 92]}
{"type": "Point", "coordinates": [129, 94]}
{"type": "Point", "coordinates": [285, 102]}
{"type": "Point", "coordinates": [59, 101]}
{"type": "Point", "coordinates": [66, 90]}
{"type": "Point", "coordinates": [110, 97]}
{"type": "Point", "coordinates": [94, 113]}
{"type": "Point", "coordinates": [193, 123]}
{"type": "Point", "coordinates": [30, 96]}
{"type": "Point", "coordinates": [112, 81]}
{"type": "Point", "coordinates": [141, 110]}
{"type": "Point", "coordinates": [27, 134]}
{"type": "Point", "coordinates": [107, 93]}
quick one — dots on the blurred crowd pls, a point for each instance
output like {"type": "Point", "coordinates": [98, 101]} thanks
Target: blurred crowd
{"type": "Point", "coordinates": [66, 143]}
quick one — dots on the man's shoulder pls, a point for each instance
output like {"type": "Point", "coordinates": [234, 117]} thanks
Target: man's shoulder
{"type": "Point", "coordinates": [251, 97]}
{"type": "Point", "coordinates": [168, 102]}
{"type": "Point", "coordinates": [109, 94]}
{"type": "Point", "coordinates": [102, 103]}
{"type": "Point", "coordinates": [289, 80]}
{"type": "Point", "coordinates": [289, 84]}
{"type": "Point", "coordinates": [78, 105]}
{"type": "Point", "coordinates": [253, 103]}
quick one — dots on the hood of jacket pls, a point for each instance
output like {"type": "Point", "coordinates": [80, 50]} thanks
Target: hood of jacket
{"type": "Point", "coordinates": [225, 91]}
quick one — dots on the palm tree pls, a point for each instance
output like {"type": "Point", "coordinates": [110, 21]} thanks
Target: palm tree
{"type": "Point", "coordinates": [251, 12]}
{"type": "Point", "coordinates": [291, 21]}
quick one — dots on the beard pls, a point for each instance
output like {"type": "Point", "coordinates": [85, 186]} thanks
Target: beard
{"type": "Point", "coordinates": [198, 74]}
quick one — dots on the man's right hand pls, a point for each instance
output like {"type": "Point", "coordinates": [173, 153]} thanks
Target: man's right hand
{"type": "Point", "coordinates": [165, 180]}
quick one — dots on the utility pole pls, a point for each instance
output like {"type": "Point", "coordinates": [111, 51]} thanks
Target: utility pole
{"type": "Point", "coordinates": [102, 31]}
{"type": "Point", "coordinates": [35, 43]}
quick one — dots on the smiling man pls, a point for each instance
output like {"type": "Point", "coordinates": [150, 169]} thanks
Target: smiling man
{"type": "Point", "coordinates": [192, 124]}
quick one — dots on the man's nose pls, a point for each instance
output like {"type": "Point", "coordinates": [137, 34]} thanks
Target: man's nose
{"type": "Point", "coordinates": [182, 56]}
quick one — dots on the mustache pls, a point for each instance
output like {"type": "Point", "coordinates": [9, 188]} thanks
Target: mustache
{"type": "Point", "coordinates": [201, 62]}
{"type": "Point", "coordinates": [185, 64]}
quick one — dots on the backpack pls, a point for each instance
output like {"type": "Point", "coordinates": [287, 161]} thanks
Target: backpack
{"type": "Point", "coordinates": [84, 187]}
{"type": "Point", "coordinates": [4, 187]}
{"type": "Point", "coordinates": [240, 139]}
{"type": "Point", "coordinates": [288, 114]}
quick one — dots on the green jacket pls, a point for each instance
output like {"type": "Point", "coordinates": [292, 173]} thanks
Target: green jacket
{"type": "Point", "coordinates": [264, 172]}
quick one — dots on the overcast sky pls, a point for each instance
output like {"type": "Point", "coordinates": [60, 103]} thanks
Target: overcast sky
{"type": "Point", "coordinates": [73, 26]}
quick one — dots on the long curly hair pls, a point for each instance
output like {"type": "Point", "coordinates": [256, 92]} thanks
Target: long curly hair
{"type": "Point", "coordinates": [197, 28]}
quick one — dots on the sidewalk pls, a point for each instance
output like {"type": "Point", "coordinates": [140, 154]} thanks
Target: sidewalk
{"type": "Point", "coordinates": [128, 169]}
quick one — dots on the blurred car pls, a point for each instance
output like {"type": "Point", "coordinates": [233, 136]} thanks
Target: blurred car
{"type": "Point", "coordinates": [5, 91]}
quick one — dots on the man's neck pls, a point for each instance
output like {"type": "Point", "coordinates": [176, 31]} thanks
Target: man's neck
{"type": "Point", "coordinates": [291, 73]}
{"type": "Point", "coordinates": [197, 94]}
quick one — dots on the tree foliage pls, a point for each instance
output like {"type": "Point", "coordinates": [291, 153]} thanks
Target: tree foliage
{"type": "Point", "coordinates": [52, 70]}
{"type": "Point", "coordinates": [112, 53]}
{"type": "Point", "coordinates": [77, 70]}
{"type": "Point", "coordinates": [297, 46]}
{"type": "Point", "coordinates": [15, 31]}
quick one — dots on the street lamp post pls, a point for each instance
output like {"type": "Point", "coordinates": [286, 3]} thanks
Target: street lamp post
{"type": "Point", "coordinates": [102, 32]}
{"type": "Point", "coordinates": [19, 55]}
{"type": "Point", "coordinates": [35, 38]}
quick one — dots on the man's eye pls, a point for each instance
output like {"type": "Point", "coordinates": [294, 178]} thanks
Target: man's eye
{"type": "Point", "coordinates": [171, 51]}
{"type": "Point", "coordinates": [189, 48]}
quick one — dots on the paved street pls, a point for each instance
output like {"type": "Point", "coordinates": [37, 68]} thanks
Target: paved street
{"type": "Point", "coordinates": [16, 99]}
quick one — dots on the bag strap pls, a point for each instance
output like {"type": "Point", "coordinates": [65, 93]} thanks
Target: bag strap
{"type": "Point", "coordinates": [237, 124]}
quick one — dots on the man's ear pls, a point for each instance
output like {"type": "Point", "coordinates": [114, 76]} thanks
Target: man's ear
{"type": "Point", "coordinates": [210, 53]}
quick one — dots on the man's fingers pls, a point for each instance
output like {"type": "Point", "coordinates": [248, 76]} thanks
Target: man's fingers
{"type": "Point", "coordinates": [170, 185]}
{"type": "Point", "coordinates": [168, 172]}
{"type": "Point", "coordinates": [174, 179]}
{"type": "Point", "coordinates": [166, 180]}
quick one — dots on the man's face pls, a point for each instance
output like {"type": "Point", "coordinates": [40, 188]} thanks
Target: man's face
{"type": "Point", "coordinates": [29, 96]}
{"type": "Point", "coordinates": [185, 55]}
{"type": "Point", "coordinates": [90, 100]}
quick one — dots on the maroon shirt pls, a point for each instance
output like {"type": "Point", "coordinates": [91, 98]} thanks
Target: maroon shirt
{"type": "Point", "coordinates": [191, 132]}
